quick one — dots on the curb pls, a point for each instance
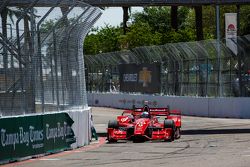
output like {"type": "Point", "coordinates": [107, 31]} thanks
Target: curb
{"type": "Point", "coordinates": [91, 146]}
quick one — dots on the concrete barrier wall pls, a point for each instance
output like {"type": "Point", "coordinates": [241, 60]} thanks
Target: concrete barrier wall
{"type": "Point", "coordinates": [81, 126]}
{"type": "Point", "coordinates": [228, 107]}
{"type": "Point", "coordinates": [43, 133]}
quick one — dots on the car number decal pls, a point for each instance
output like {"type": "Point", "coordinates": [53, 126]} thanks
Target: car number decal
{"type": "Point", "coordinates": [140, 124]}
{"type": "Point", "coordinates": [124, 119]}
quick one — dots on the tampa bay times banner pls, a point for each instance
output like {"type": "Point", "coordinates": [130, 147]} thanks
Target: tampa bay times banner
{"type": "Point", "coordinates": [33, 135]}
{"type": "Point", "coordinates": [144, 78]}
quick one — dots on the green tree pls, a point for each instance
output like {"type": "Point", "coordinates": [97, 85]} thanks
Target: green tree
{"type": "Point", "coordinates": [47, 25]}
{"type": "Point", "coordinates": [92, 44]}
{"type": "Point", "coordinates": [140, 34]}
{"type": "Point", "coordinates": [209, 19]}
{"type": "Point", "coordinates": [245, 20]}
{"type": "Point", "coordinates": [158, 18]}
{"type": "Point", "coordinates": [152, 26]}
{"type": "Point", "coordinates": [103, 40]}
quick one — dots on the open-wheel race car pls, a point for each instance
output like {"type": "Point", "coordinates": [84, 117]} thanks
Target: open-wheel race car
{"type": "Point", "coordinates": [142, 124]}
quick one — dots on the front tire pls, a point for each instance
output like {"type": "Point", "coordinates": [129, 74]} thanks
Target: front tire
{"type": "Point", "coordinates": [113, 124]}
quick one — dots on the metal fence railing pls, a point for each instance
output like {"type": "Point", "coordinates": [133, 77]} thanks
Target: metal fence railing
{"type": "Point", "coordinates": [42, 69]}
{"type": "Point", "coordinates": [187, 69]}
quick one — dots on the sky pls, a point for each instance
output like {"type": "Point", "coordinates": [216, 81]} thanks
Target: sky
{"type": "Point", "coordinates": [113, 16]}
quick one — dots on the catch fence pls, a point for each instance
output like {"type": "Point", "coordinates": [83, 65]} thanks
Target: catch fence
{"type": "Point", "coordinates": [206, 68]}
{"type": "Point", "coordinates": [41, 62]}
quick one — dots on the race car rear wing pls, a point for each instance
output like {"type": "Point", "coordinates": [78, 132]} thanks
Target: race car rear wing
{"type": "Point", "coordinates": [157, 111]}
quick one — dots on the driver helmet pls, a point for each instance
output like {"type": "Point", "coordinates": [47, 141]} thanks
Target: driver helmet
{"type": "Point", "coordinates": [146, 108]}
{"type": "Point", "coordinates": [145, 115]}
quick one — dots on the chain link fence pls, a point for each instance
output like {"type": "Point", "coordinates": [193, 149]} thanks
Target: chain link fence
{"type": "Point", "coordinates": [206, 68]}
{"type": "Point", "coordinates": [42, 65]}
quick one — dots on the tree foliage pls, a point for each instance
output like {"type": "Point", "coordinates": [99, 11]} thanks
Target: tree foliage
{"type": "Point", "coordinates": [158, 18]}
{"type": "Point", "coordinates": [140, 34]}
{"type": "Point", "coordinates": [209, 20]}
{"type": "Point", "coordinates": [152, 26]}
{"type": "Point", "coordinates": [103, 40]}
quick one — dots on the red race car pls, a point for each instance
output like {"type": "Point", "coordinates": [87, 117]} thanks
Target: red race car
{"type": "Point", "coordinates": [142, 124]}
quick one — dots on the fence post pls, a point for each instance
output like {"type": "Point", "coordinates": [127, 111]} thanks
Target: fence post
{"type": "Point", "coordinates": [219, 90]}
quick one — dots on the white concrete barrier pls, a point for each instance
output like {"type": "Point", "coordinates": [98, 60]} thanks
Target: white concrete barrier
{"type": "Point", "coordinates": [81, 126]}
{"type": "Point", "coordinates": [226, 107]}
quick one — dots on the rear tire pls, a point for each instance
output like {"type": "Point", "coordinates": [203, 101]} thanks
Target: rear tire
{"type": "Point", "coordinates": [168, 123]}
{"type": "Point", "coordinates": [178, 133]}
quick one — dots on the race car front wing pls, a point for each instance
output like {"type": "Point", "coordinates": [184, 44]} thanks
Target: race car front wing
{"type": "Point", "coordinates": [150, 134]}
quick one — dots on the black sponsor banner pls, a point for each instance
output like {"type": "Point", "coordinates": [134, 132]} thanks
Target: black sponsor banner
{"type": "Point", "coordinates": [144, 78]}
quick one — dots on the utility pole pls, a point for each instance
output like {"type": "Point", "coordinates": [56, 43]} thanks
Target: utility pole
{"type": "Point", "coordinates": [219, 90]}
{"type": "Point", "coordinates": [125, 19]}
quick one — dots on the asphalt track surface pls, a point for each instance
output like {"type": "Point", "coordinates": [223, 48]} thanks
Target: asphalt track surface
{"type": "Point", "coordinates": [205, 142]}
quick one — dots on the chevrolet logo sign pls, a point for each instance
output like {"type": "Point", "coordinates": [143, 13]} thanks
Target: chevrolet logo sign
{"type": "Point", "coordinates": [145, 76]}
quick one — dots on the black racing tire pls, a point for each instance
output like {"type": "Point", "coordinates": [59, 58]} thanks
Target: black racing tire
{"type": "Point", "coordinates": [169, 124]}
{"type": "Point", "coordinates": [113, 124]}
